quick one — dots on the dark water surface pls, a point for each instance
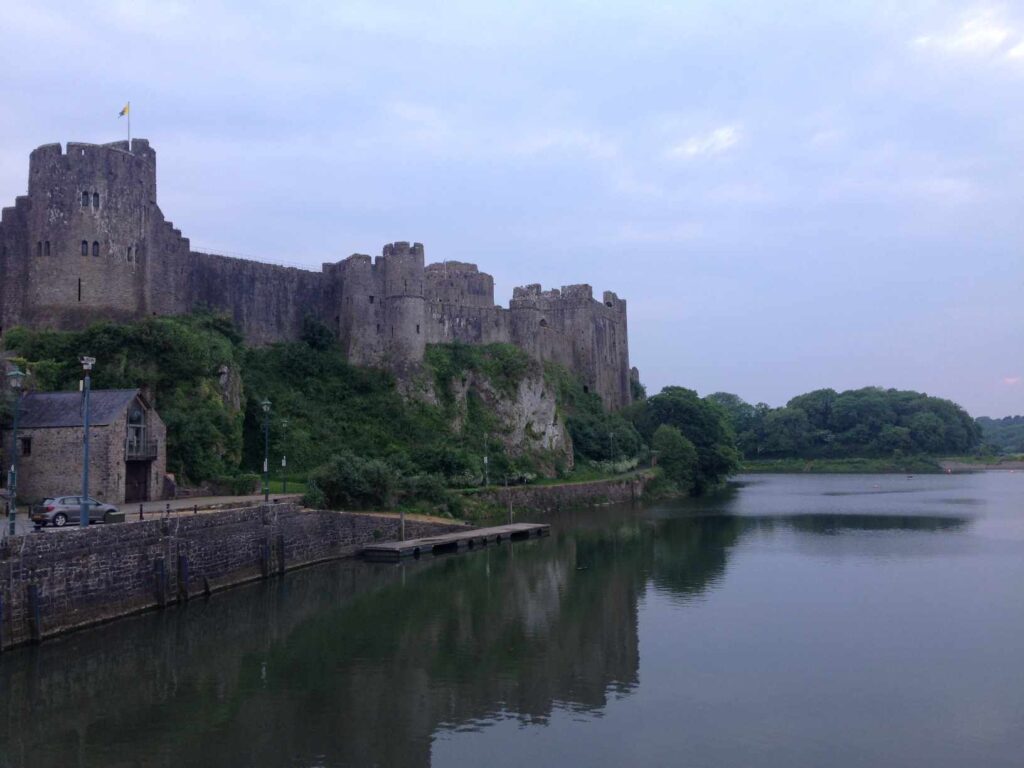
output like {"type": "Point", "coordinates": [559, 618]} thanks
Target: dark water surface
{"type": "Point", "coordinates": [791, 621]}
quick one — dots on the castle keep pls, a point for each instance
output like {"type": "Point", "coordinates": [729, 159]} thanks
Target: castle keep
{"type": "Point", "coordinates": [89, 242]}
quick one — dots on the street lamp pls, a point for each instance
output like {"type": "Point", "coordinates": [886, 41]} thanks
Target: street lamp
{"type": "Point", "coordinates": [83, 512]}
{"type": "Point", "coordinates": [17, 378]}
{"type": "Point", "coordinates": [284, 456]}
{"type": "Point", "coordinates": [265, 405]}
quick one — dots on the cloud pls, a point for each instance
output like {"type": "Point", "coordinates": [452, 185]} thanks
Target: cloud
{"type": "Point", "coordinates": [714, 143]}
{"type": "Point", "coordinates": [1011, 381]}
{"type": "Point", "coordinates": [979, 34]}
{"type": "Point", "coordinates": [1017, 52]}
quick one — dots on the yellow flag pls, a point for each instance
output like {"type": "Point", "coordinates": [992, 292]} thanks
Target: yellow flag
{"type": "Point", "coordinates": [124, 111]}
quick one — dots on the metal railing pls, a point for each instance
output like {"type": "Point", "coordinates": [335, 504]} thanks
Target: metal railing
{"type": "Point", "coordinates": [140, 450]}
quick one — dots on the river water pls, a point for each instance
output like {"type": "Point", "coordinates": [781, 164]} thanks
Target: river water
{"type": "Point", "coordinates": [788, 621]}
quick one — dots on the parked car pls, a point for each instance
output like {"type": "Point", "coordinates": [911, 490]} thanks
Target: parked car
{"type": "Point", "coordinates": [61, 510]}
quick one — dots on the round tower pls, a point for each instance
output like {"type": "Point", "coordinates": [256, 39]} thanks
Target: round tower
{"type": "Point", "coordinates": [401, 265]}
{"type": "Point", "coordinates": [87, 224]}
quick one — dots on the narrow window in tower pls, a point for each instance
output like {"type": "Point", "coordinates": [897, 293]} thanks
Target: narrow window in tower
{"type": "Point", "coordinates": [85, 247]}
{"type": "Point", "coordinates": [85, 199]}
{"type": "Point", "coordinates": [95, 248]}
{"type": "Point", "coordinates": [129, 254]}
{"type": "Point", "coordinates": [46, 247]}
{"type": "Point", "coordinates": [79, 289]}
{"type": "Point", "coordinates": [371, 299]}
{"type": "Point", "coordinates": [39, 248]}
{"type": "Point", "coordinates": [417, 327]}
{"type": "Point", "coordinates": [95, 199]}
{"type": "Point", "coordinates": [378, 328]}
{"type": "Point", "coordinates": [543, 323]}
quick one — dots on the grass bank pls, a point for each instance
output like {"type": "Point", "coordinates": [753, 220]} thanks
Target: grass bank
{"type": "Point", "coordinates": [919, 465]}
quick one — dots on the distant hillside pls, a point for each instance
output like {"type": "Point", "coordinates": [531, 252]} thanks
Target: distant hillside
{"type": "Point", "coordinates": [859, 423]}
{"type": "Point", "coordinates": [1004, 435]}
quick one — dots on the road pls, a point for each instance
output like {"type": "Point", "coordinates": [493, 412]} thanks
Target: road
{"type": "Point", "coordinates": [151, 509]}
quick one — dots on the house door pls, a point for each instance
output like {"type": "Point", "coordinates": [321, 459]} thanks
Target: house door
{"type": "Point", "coordinates": [136, 481]}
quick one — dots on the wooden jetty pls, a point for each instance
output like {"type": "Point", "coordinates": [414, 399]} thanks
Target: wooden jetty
{"type": "Point", "coordinates": [455, 541]}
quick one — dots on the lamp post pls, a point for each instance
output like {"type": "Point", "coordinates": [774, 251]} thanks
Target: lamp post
{"type": "Point", "coordinates": [83, 512]}
{"type": "Point", "coordinates": [265, 405]}
{"type": "Point", "coordinates": [487, 476]}
{"type": "Point", "coordinates": [17, 377]}
{"type": "Point", "coordinates": [284, 455]}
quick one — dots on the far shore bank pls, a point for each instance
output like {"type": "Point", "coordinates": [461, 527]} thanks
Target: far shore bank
{"type": "Point", "coordinates": [913, 465]}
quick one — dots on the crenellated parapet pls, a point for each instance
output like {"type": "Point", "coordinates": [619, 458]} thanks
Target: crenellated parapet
{"type": "Point", "coordinates": [89, 242]}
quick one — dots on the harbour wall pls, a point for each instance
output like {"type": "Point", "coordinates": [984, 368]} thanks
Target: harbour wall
{"type": "Point", "coordinates": [55, 582]}
{"type": "Point", "coordinates": [550, 498]}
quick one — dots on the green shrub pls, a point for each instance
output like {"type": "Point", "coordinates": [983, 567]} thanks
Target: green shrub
{"type": "Point", "coordinates": [348, 481]}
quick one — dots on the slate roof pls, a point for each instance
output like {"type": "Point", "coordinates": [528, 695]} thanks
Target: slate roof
{"type": "Point", "coordinates": [43, 410]}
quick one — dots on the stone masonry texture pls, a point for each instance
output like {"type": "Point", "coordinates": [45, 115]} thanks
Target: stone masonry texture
{"type": "Point", "coordinates": [89, 242]}
{"type": "Point", "coordinates": [85, 576]}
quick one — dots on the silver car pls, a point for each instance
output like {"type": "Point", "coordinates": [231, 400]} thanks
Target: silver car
{"type": "Point", "coordinates": [61, 510]}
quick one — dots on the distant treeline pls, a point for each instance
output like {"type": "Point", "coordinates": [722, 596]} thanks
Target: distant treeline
{"type": "Point", "coordinates": [869, 422]}
{"type": "Point", "coordinates": [1004, 435]}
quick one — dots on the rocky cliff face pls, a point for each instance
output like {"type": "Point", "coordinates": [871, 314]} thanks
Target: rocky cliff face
{"type": "Point", "coordinates": [528, 418]}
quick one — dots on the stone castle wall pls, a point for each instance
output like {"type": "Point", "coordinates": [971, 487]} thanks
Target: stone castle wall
{"type": "Point", "coordinates": [89, 242]}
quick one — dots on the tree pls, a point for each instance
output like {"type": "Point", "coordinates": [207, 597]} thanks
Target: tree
{"type": "Point", "coordinates": [677, 456]}
{"type": "Point", "coordinates": [702, 422]}
{"type": "Point", "coordinates": [788, 432]}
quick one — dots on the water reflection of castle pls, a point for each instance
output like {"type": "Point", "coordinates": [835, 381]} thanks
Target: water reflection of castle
{"type": "Point", "coordinates": [356, 665]}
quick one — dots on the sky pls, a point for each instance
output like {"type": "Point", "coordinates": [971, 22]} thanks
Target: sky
{"type": "Point", "coordinates": [789, 195]}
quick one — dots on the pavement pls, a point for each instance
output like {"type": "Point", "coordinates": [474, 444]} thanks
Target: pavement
{"type": "Point", "coordinates": [151, 509]}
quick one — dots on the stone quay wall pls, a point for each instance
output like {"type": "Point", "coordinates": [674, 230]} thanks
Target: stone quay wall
{"type": "Point", "coordinates": [550, 498]}
{"type": "Point", "coordinates": [55, 582]}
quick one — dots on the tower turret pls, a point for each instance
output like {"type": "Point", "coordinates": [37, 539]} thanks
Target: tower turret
{"type": "Point", "coordinates": [86, 230]}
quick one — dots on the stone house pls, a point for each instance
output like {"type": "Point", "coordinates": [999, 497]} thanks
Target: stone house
{"type": "Point", "coordinates": [127, 446]}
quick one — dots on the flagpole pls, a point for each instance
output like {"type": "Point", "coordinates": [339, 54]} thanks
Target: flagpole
{"type": "Point", "coordinates": [129, 116]}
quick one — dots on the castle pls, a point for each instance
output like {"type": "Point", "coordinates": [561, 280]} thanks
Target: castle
{"type": "Point", "coordinates": [89, 242]}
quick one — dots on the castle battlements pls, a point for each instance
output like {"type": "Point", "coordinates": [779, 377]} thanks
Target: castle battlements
{"type": "Point", "coordinates": [89, 242]}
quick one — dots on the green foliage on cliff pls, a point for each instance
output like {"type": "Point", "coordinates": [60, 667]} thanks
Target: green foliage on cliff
{"type": "Point", "coordinates": [350, 430]}
{"type": "Point", "coordinates": [868, 422]}
{"type": "Point", "coordinates": [597, 434]}
{"type": "Point", "coordinates": [504, 365]}
{"type": "Point", "coordinates": [177, 358]}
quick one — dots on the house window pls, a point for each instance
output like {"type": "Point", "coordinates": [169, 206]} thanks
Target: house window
{"type": "Point", "coordinates": [85, 199]}
{"type": "Point", "coordinates": [26, 446]}
{"type": "Point", "coordinates": [85, 247]}
{"type": "Point", "coordinates": [46, 247]}
{"type": "Point", "coordinates": [95, 199]}
{"type": "Point", "coordinates": [95, 248]}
